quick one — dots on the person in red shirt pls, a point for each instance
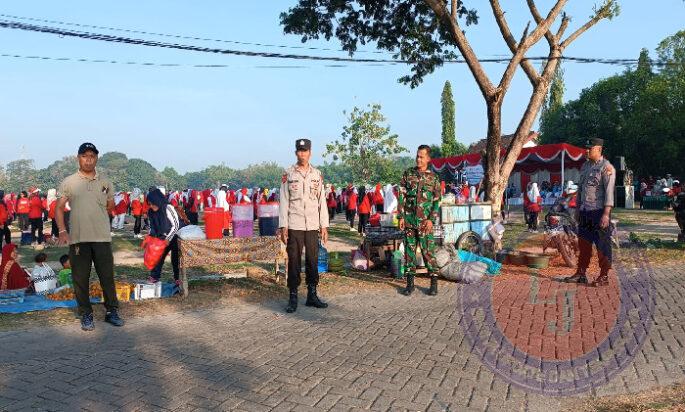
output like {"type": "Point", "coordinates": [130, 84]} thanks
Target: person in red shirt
{"type": "Point", "coordinates": [377, 198]}
{"type": "Point", "coordinates": [44, 201]}
{"type": "Point", "coordinates": [120, 208]}
{"type": "Point", "coordinates": [364, 209]}
{"type": "Point", "coordinates": [4, 221]}
{"type": "Point", "coordinates": [36, 216]}
{"type": "Point", "coordinates": [532, 202]}
{"type": "Point", "coordinates": [352, 200]}
{"type": "Point", "coordinates": [331, 203]}
{"type": "Point", "coordinates": [23, 207]}
{"type": "Point", "coordinates": [137, 212]}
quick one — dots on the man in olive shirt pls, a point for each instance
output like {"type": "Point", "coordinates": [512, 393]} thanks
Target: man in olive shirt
{"type": "Point", "coordinates": [91, 198]}
{"type": "Point", "coordinates": [302, 214]}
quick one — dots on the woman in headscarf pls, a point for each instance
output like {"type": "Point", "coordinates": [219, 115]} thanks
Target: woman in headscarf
{"type": "Point", "coordinates": [364, 209]}
{"type": "Point", "coordinates": [532, 202]}
{"type": "Point", "coordinates": [12, 276]}
{"type": "Point", "coordinates": [352, 207]}
{"type": "Point", "coordinates": [378, 198]}
{"type": "Point", "coordinates": [164, 224]}
{"type": "Point", "coordinates": [389, 200]}
{"type": "Point", "coordinates": [4, 220]}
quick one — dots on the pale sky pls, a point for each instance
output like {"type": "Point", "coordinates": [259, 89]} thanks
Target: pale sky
{"type": "Point", "coordinates": [190, 118]}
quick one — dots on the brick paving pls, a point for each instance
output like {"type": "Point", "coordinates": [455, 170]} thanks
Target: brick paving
{"type": "Point", "coordinates": [370, 351]}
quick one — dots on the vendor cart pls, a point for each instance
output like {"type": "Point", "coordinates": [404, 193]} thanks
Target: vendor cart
{"type": "Point", "coordinates": [470, 227]}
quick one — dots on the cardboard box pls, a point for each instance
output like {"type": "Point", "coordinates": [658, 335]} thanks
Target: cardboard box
{"type": "Point", "coordinates": [147, 291]}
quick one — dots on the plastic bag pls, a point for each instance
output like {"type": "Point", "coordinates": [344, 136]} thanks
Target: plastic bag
{"type": "Point", "coordinates": [445, 255]}
{"type": "Point", "coordinates": [191, 232]}
{"type": "Point", "coordinates": [472, 272]}
{"type": "Point", "coordinates": [359, 261]}
{"type": "Point", "coordinates": [154, 249]}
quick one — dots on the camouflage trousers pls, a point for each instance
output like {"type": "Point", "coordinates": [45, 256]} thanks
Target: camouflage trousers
{"type": "Point", "coordinates": [412, 239]}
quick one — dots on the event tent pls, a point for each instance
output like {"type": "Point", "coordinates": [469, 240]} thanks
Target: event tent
{"type": "Point", "coordinates": [553, 159]}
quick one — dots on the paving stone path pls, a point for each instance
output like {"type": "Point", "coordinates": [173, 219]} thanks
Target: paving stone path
{"type": "Point", "coordinates": [377, 351]}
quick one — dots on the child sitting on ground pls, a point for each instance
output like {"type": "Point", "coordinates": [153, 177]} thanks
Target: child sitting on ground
{"type": "Point", "coordinates": [64, 275]}
{"type": "Point", "coordinates": [42, 275]}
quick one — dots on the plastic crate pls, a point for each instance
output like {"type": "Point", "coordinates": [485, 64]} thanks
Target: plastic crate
{"type": "Point", "coordinates": [451, 232]}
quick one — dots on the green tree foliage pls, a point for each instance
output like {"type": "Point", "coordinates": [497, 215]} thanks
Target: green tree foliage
{"type": "Point", "coordinates": [266, 175]}
{"type": "Point", "coordinates": [366, 144]}
{"type": "Point", "coordinates": [639, 113]}
{"type": "Point", "coordinates": [172, 180]}
{"type": "Point", "coordinates": [21, 175]}
{"type": "Point", "coordinates": [554, 100]}
{"type": "Point", "coordinates": [141, 174]}
{"type": "Point", "coordinates": [450, 145]}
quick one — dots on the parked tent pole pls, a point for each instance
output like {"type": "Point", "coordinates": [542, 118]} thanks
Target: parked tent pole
{"type": "Point", "coordinates": [563, 158]}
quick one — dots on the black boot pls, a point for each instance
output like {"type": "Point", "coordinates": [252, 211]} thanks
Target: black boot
{"type": "Point", "coordinates": [434, 286]}
{"type": "Point", "coordinates": [410, 286]}
{"type": "Point", "coordinates": [292, 302]}
{"type": "Point", "coordinates": [577, 278]}
{"type": "Point", "coordinates": [313, 299]}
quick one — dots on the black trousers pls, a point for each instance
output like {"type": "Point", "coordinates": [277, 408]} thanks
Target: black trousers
{"type": "Point", "coordinates": [24, 222]}
{"type": "Point", "coordinates": [175, 260]}
{"type": "Point", "coordinates": [532, 220]}
{"type": "Point", "coordinates": [350, 216]}
{"type": "Point", "coordinates": [55, 230]}
{"type": "Point", "coordinates": [37, 226]}
{"type": "Point", "coordinates": [193, 217]}
{"type": "Point", "coordinates": [136, 225]}
{"type": "Point", "coordinates": [589, 233]}
{"type": "Point", "coordinates": [331, 213]}
{"type": "Point", "coordinates": [309, 240]}
{"type": "Point", "coordinates": [5, 234]}
{"type": "Point", "coordinates": [363, 220]}
{"type": "Point", "coordinates": [379, 208]}
{"type": "Point", "coordinates": [82, 257]}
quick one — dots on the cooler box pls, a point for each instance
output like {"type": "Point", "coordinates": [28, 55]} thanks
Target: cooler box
{"type": "Point", "coordinates": [268, 210]}
{"type": "Point", "coordinates": [481, 227]}
{"type": "Point", "coordinates": [214, 222]}
{"type": "Point", "coordinates": [454, 214]}
{"type": "Point", "coordinates": [147, 291]}
{"type": "Point", "coordinates": [481, 211]}
{"type": "Point", "coordinates": [243, 212]}
{"type": "Point", "coordinates": [452, 231]}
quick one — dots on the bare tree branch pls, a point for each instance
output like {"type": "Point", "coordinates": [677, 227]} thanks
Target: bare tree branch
{"type": "Point", "coordinates": [526, 123]}
{"type": "Point", "coordinates": [538, 18]}
{"type": "Point", "coordinates": [581, 30]}
{"type": "Point", "coordinates": [527, 67]}
{"type": "Point", "coordinates": [528, 42]}
{"type": "Point", "coordinates": [454, 9]}
{"type": "Point", "coordinates": [565, 20]}
{"type": "Point", "coordinates": [451, 23]}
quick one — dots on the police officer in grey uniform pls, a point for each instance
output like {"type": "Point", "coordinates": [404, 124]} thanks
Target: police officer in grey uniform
{"type": "Point", "coordinates": [302, 214]}
{"type": "Point", "coordinates": [595, 201]}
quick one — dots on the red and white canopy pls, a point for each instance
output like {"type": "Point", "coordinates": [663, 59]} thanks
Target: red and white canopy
{"type": "Point", "coordinates": [544, 157]}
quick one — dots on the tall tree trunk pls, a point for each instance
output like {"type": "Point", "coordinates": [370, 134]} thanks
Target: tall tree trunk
{"type": "Point", "coordinates": [493, 149]}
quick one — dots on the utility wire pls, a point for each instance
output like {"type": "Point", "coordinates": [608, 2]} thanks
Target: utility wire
{"type": "Point", "coordinates": [182, 37]}
{"type": "Point", "coordinates": [153, 64]}
{"type": "Point", "coordinates": [150, 43]}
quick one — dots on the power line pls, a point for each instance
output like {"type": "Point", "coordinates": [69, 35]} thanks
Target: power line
{"type": "Point", "coordinates": [182, 37]}
{"type": "Point", "coordinates": [150, 43]}
{"type": "Point", "coordinates": [153, 64]}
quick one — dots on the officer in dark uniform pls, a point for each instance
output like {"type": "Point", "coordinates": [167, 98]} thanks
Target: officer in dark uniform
{"type": "Point", "coordinates": [302, 215]}
{"type": "Point", "coordinates": [595, 201]}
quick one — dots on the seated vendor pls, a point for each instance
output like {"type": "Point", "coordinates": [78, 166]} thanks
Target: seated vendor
{"type": "Point", "coordinates": [12, 276]}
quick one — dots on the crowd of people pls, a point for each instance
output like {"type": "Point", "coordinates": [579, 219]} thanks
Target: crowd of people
{"type": "Point", "coordinates": [668, 186]}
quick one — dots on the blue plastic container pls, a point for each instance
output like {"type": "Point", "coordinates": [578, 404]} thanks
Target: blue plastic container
{"type": "Point", "coordinates": [323, 259]}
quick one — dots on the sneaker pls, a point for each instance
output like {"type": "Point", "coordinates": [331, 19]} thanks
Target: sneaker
{"type": "Point", "coordinates": [87, 323]}
{"type": "Point", "coordinates": [113, 318]}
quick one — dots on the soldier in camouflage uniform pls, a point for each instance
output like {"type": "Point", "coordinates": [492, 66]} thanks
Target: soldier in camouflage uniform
{"type": "Point", "coordinates": [418, 208]}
